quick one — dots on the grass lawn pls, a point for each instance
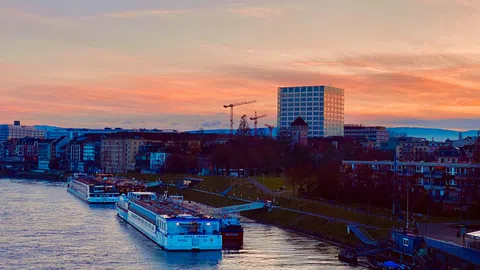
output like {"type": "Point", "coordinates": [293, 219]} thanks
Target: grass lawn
{"type": "Point", "coordinates": [314, 226]}
{"type": "Point", "coordinates": [273, 183]}
{"type": "Point", "coordinates": [245, 190]}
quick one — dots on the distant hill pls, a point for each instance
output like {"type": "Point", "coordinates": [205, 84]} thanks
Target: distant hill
{"type": "Point", "coordinates": [46, 128]}
{"type": "Point", "coordinates": [429, 133]}
{"type": "Point", "coordinates": [227, 131]}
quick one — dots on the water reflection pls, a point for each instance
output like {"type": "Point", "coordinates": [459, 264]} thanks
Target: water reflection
{"type": "Point", "coordinates": [42, 226]}
{"type": "Point", "coordinates": [171, 259]}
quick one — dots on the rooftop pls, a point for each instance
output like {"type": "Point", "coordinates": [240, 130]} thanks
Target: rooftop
{"type": "Point", "coordinates": [359, 126]}
{"type": "Point", "coordinates": [299, 122]}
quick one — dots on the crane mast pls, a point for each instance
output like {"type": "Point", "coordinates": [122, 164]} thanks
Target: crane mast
{"type": "Point", "coordinates": [255, 119]}
{"type": "Point", "coordinates": [231, 106]}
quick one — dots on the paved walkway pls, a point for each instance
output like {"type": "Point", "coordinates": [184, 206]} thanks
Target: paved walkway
{"type": "Point", "coordinates": [441, 232]}
{"type": "Point", "coordinates": [364, 210]}
{"type": "Point", "coordinates": [295, 211]}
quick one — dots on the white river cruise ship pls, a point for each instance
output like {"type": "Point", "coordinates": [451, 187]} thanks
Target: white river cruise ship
{"type": "Point", "coordinates": [168, 224]}
{"type": "Point", "coordinates": [100, 189]}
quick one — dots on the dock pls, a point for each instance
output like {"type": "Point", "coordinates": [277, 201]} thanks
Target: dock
{"type": "Point", "coordinates": [421, 250]}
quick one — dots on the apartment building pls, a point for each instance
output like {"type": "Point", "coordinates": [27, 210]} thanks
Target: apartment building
{"type": "Point", "coordinates": [375, 134]}
{"type": "Point", "coordinates": [17, 131]}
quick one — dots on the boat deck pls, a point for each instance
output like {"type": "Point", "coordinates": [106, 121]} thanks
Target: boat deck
{"type": "Point", "coordinates": [123, 184]}
{"type": "Point", "coordinates": [166, 208]}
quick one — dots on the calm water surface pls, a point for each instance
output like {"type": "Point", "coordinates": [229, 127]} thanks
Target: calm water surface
{"type": "Point", "coordinates": [42, 226]}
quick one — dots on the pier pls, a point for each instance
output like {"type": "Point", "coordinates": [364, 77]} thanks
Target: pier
{"type": "Point", "coordinates": [413, 249]}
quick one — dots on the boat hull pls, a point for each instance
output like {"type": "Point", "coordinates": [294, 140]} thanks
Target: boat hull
{"type": "Point", "coordinates": [232, 239]}
{"type": "Point", "coordinates": [172, 242]}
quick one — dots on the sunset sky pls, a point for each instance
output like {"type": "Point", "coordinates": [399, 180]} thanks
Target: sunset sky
{"type": "Point", "coordinates": [173, 64]}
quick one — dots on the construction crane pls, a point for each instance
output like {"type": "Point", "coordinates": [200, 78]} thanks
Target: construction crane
{"type": "Point", "coordinates": [270, 129]}
{"type": "Point", "coordinates": [231, 111]}
{"type": "Point", "coordinates": [255, 119]}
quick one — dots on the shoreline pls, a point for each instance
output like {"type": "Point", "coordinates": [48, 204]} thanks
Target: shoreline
{"type": "Point", "coordinates": [32, 176]}
{"type": "Point", "coordinates": [313, 227]}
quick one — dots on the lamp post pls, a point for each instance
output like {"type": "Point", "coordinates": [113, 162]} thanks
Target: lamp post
{"type": "Point", "coordinates": [394, 184]}
{"type": "Point", "coordinates": [408, 196]}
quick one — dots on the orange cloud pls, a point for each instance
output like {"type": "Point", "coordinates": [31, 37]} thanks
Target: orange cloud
{"type": "Point", "coordinates": [384, 89]}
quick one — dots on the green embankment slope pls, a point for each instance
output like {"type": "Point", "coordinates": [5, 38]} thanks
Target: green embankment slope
{"type": "Point", "coordinates": [334, 231]}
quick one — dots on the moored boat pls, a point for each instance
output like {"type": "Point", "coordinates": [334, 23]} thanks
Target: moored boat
{"type": "Point", "coordinates": [100, 189]}
{"type": "Point", "coordinates": [168, 224]}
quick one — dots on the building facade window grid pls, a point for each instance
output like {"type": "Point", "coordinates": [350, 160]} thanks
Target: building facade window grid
{"type": "Point", "coordinates": [322, 107]}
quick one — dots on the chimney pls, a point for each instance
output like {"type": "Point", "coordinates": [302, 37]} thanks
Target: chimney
{"type": "Point", "coordinates": [16, 123]}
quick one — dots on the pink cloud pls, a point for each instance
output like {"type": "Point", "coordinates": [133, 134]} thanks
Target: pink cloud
{"type": "Point", "coordinates": [262, 11]}
{"type": "Point", "coordinates": [133, 14]}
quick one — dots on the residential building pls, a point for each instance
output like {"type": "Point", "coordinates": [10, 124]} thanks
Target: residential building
{"type": "Point", "coordinates": [321, 107]}
{"type": "Point", "coordinates": [83, 153]}
{"type": "Point", "coordinates": [58, 146]}
{"type": "Point", "coordinates": [408, 148]}
{"type": "Point", "coordinates": [56, 132]}
{"type": "Point", "coordinates": [453, 184]}
{"type": "Point", "coordinates": [335, 148]}
{"type": "Point", "coordinates": [157, 160]}
{"type": "Point", "coordinates": [448, 155]}
{"type": "Point", "coordinates": [151, 157]}
{"type": "Point", "coordinates": [7, 149]}
{"type": "Point", "coordinates": [27, 148]}
{"type": "Point", "coordinates": [73, 156]}
{"type": "Point", "coordinates": [17, 131]}
{"type": "Point", "coordinates": [119, 152]}
{"type": "Point", "coordinates": [464, 142]}
{"type": "Point", "coordinates": [376, 134]}
{"type": "Point", "coordinates": [45, 153]}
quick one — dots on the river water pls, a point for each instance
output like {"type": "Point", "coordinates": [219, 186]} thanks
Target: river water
{"type": "Point", "coordinates": [42, 226]}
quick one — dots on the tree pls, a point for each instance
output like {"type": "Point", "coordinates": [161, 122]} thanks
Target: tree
{"type": "Point", "coordinates": [476, 154]}
{"type": "Point", "coordinates": [300, 167]}
{"type": "Point", "coordinates": [54, 164]}
{"type": "Point", "coordinates": [179, 163]}
{"type": "Point", "coordinates": [243, 127]}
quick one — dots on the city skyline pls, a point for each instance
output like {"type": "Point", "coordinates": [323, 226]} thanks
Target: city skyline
{"type": "Point", "coordinates": [173, 64]}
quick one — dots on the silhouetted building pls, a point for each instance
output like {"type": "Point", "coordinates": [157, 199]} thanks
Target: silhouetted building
{"type": "Point", "coordinates": [448, 155]}
{"type": "Point", "coordinates": [375, 134]}
{"type": "Point", "coordinates": [299, 131]}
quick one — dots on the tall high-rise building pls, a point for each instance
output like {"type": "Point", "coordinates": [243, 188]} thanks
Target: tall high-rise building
{"type": "Point", "coordinates": [320, 106]}
{"type": "Point", "coordinates": [17, 131]}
